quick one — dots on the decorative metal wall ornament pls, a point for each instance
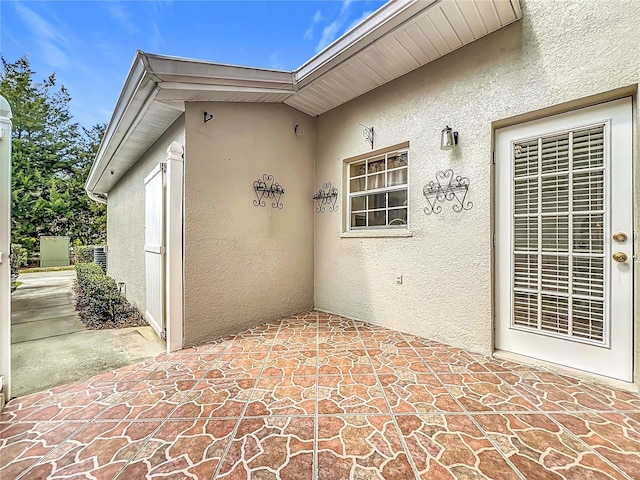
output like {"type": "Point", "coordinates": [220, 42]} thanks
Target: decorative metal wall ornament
{"type": "Point", "coordinates": [267, 188]}
{"type": "Point", "coordinates": [446, 187]}
{"type": "Point", "coordinates": [208, 116]}
{"type": "Point", "coordinates": [327, 195]}
{"type": "Point", "coordinates": [367, 133]}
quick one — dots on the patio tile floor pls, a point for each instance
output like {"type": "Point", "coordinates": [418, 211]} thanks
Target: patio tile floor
{"type": "Point", "coordinates": [317, 396]}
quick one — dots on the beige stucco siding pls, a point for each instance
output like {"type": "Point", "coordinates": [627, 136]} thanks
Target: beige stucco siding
{"type": "Point", "coordinates": [246, 264]}
{"type": "Point", "coordinates": [125, 218]}
{"type": "Point", "coordinates": [559, 52]}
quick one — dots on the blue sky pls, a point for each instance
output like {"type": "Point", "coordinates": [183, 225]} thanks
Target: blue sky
{"type": "Point", "coordinates": [91, 44]}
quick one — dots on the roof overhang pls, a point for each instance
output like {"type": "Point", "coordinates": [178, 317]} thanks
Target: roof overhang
{"type": "Point", "coordinates": [399, 37]}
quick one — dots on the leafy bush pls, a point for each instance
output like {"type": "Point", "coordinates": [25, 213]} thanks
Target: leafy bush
{"type": "Point", "coordinates": [17, 259]}
{"type": "Point", "coordinates": [101, 291]}
{"type": "Point", "coordinates": [84, 253]}
{"type": "Point", "coordinates": [19, 253]}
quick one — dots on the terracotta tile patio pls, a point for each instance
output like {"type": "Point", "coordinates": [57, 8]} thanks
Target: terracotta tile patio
{"type": "Point", "coordinates": [326, 397]}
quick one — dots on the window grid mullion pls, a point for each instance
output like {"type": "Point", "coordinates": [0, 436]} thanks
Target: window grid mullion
{"type": "Point", "coordinates": [570, 246]}
{"type": "Point", "coordinates": [385, 190]}
{"type": "Point", "coordinates": [539, 295]}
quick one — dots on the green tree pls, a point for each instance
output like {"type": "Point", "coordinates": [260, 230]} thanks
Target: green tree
{"type": "Point", "coordinates": [51, 159]}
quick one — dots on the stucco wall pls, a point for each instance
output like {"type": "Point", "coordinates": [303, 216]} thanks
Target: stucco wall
{"type": "Point", "coordinates": [245, 264]}
{"type": "Point", "coordinates": [125, 218]}
{"type": "Point", "coordinates": [558, 52]}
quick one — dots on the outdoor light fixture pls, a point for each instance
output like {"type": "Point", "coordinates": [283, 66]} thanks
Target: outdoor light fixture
{"type": "Point", "coordinates": [448, 138]}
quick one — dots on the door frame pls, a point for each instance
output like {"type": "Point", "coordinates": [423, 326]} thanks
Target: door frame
{"type": "Point", "coordinates": [174, 242]}
{"type": "Point", "coordinates": [5, 250]}
{"type": "Point", "coordinates": [560, 111]}
{"type": "Point", "coordinates": [173, 212]}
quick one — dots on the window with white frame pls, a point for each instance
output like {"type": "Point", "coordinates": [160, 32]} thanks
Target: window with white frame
{"type": "Point", "coordinates": [378, 191]}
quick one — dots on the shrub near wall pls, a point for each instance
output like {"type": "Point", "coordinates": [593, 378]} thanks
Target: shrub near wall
{"type": "Point", "coordinates": [84, 253]}
{"type": "Point", "coordinates": [17, 259]}
{"type": "Point", "coordinates": [101, 291]}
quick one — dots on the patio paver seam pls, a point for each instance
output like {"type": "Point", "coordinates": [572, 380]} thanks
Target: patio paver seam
{"type": "Point", "coordinates": [168, 416]}
{"type": "Point", "coordinates": [589, 447]}
{"type": "Point", "coordinates": [84, 424]}
{"type": "Point", "coordinates": [232, 436]}
{"type": "Point", "coordinates": [56, 448]}
{"type": "Point", "coordinates": [489, 439]}
{"type": "Point", "coordinates": [497, 447]}
{"type": "Point", "coordinates": [392, 414]}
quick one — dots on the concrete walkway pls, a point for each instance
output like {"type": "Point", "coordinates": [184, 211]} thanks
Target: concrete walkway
{"type": "Point", "coordinates": [50, 346]}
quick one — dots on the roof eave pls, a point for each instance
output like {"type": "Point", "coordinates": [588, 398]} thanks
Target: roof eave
{"type": "Point", "coordinates": [151, 73]}
{"type": "Point", "coordinates": [379, 23]}
{"type": "Point", "coordinates": [138, 83]}
{"type": "Point", "coordinates": [172, 81]}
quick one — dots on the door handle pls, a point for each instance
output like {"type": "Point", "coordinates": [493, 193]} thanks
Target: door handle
{"type": "Point", "coordinates": [620, 237]}
{"type": "Point", "coordinates": [620, 257]}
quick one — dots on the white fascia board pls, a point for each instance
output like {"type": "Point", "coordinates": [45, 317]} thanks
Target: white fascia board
{"type": "Point", "coordinates": [176, 87]}
{"type": "Point", "coordinates": [381, 22]}
{"type": "Point", "coordinates": [184, 70]}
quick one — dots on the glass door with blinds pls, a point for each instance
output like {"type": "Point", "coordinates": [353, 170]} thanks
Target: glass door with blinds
{"type": "Point", "coordinates": [564, 239]}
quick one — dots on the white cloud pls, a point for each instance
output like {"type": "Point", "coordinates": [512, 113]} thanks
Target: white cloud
{"type": "Point", "coordinates": [308, 34]}
{"type": "Point", "coordinates": [121, 16]}
{"type": "Point", "coordinates": [275, 61]}
{"type": "Point", "coordinates": [362, 17]}
{"type": "Point", "coordinates": [53, 43]}
{"type": "Point", "coordinates": [156, 40]}
{"type": "Point", "coordinates": [345, 6]}
{"type": "Point", "coordinates": [317, 18]}
{"type": "Point", "coordinates": [331, 31]}
{"type": "Point", "coordinates": [329, 34]}
{"type": "Point", "coordinates": [158, 7]}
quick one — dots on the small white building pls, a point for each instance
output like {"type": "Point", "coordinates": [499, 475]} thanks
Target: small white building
{"type": "Point", "coordinates": [519, 238]}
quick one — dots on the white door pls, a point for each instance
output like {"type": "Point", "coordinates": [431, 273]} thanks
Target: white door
{"type": "Point", "coordinates": [154, 249]}
{"type": "Point", "coordinates": [564, 239]}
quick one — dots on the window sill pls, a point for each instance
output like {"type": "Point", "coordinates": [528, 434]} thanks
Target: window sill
{"type": "Point", "coordinates": [376, 233]}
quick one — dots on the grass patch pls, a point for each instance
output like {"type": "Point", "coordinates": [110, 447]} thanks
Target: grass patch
{"type": "Point", "coordinates": [44, 269]}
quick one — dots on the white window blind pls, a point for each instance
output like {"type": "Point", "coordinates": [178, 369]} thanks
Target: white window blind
{"type": "Point", "coordinates": [558, 243]}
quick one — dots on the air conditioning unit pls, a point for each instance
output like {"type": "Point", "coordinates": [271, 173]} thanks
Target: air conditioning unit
{"type": "Point", "coordinates": [100, 257]}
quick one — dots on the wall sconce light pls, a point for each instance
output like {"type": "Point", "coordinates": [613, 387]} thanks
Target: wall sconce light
{"type": "Point", "coordinates": [448, 138]}
{"type": "Point", "coordinates": [298, 129]}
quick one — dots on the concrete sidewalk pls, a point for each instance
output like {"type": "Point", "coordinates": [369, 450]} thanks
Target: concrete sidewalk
{"type": "Point", "coordinates": [50, 346]}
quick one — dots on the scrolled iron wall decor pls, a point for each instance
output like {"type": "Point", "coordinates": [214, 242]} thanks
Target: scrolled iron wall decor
{"type": "Point", "coordinates": [446, 187]}
{"type": "Point", "coordinates": [267, 188]}
{"type": "Point", "coordinates": [327, 195]}
{"type": "Point", "coordinates": [367, 133]}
